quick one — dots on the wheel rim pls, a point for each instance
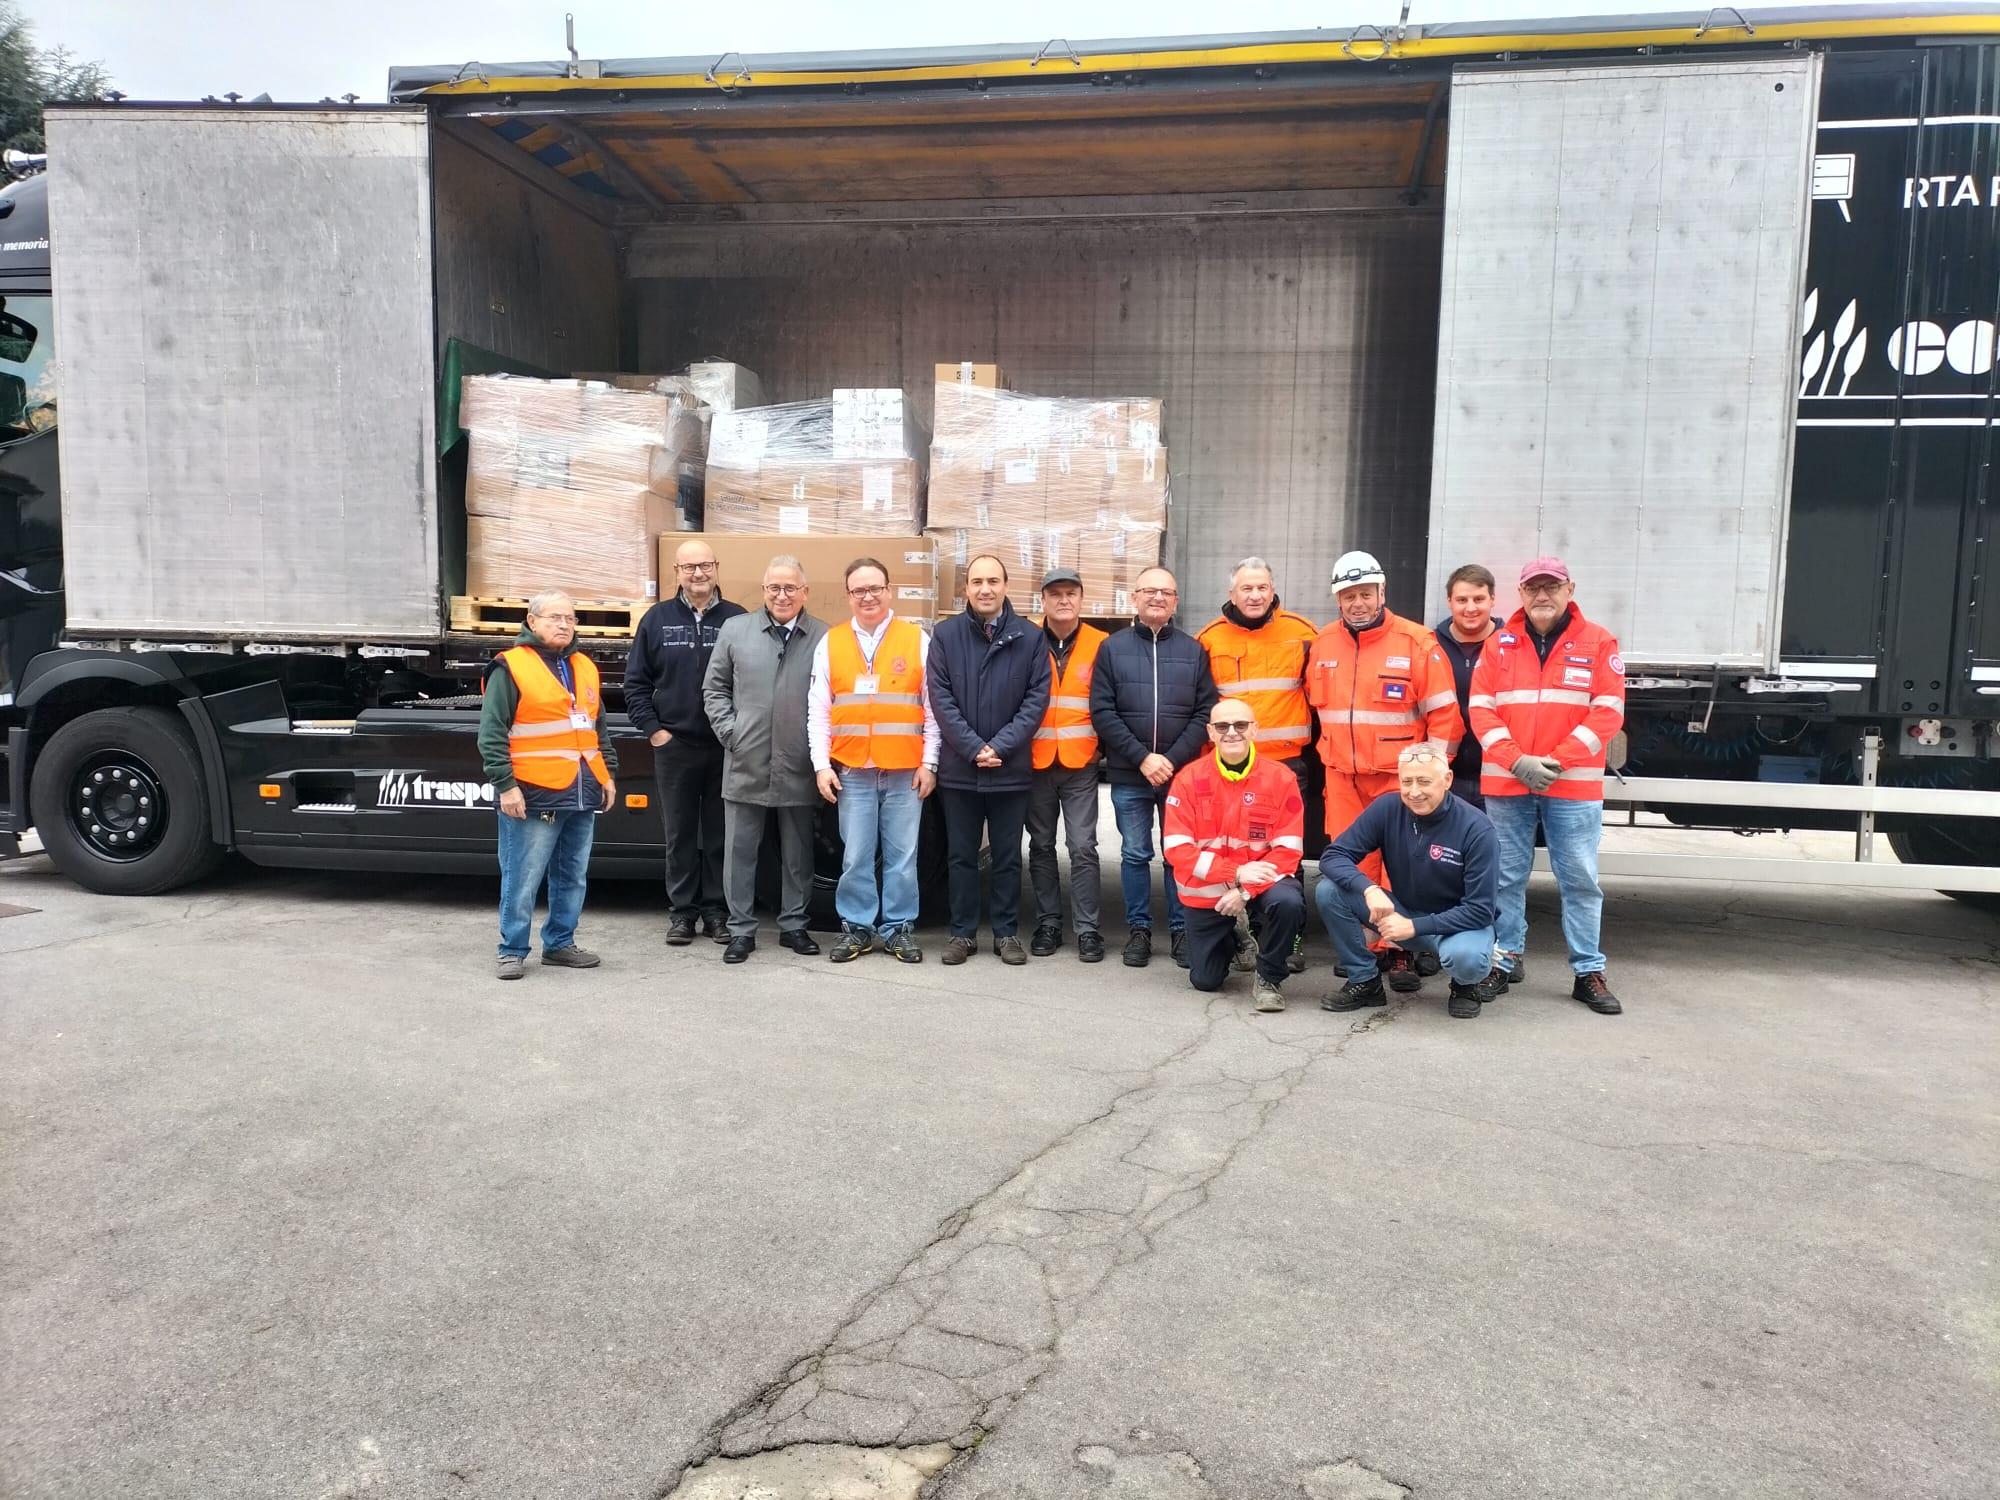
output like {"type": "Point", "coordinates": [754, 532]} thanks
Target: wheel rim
{"type": "Point", "coordinates": [117, 806]}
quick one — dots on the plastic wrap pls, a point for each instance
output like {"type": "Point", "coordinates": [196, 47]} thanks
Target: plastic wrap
{"type": "Point", "coordinates": [847, 466]}
{"type": "Point", "coordinates": [1045, 482]}
{"type": "Point", "coordinates": [568, 483]}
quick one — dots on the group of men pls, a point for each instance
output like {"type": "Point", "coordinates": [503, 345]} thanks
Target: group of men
{"type": "Point", "coordinates": [1441, 755]}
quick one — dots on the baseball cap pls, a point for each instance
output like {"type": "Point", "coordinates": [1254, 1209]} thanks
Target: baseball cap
{"type": "Point", "coordinates": [1061, 575]}
{"type": "Point", "coordinates": [1356, 568]}
{"type": "Point", "coordinates": [1545, 567]}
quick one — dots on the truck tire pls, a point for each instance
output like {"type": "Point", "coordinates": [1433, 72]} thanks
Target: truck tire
{"type": "Point", "coordinates": [1953, 841]}
{"type": "Point", "coordinates": [121, 803]}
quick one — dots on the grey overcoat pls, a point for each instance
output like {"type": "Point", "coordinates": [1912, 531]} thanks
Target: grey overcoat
{"type": "Point", "coordinates": [755, 695]}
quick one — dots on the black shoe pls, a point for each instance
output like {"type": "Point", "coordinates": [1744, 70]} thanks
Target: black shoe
{"type": "Point", "coordinates": [1402, 974]}
{"type": "Point", "coordinates": [680, 931]}
{"type": "Point", "coordinates": [901, 945]}
{"type": "Point", "coordinates": [1464, 1002]}
{"type": "Point", "coordinates": [1297, 962]}
{"type": "Point", "coordinates": [1047, 938]}
{"type": "Point", "coordinates": [1139, 948]}
{"type": "Point", "coordinates": [799, 942]}
{"type": "Point", "coordinates": [715, 927]}
{"type": "Point", "coordinates": [854, 941]}
{"type": "Point", "coordinates": [739, 949]}
{"type": "Point", "coordinates": [1594, 991]}
{"type": "Point", "coordinates": [1089, 948]}
{"type": "Point", "coordinates": [1519, 972]}
{"type": "Point", "coordinates": [958, 950]}
{"type": "Point", "coordinates": [1178, 941]}
{"type": "Point", "coordinates": [1357, 994]}
{"type": "Point", "coordinates": [1427, 964]}
{"type": "Point", "coordinates": [1493, 986]}
{"type": "Point", "coordinates": [1245, 957]}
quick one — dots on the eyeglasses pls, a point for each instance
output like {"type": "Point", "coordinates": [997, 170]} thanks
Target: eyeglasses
{"type": "Point", "coordinates": [868, 591]}
{"type": "Point", "coordinates": [1420, 753]}
{"type": "Point", "coordinates": [694, 567]}
{"type": "Point", "coordinates": [558, 619]}
{"type": "Point", "coordinates": [1232, 728]}
{"type": "Point", "coordinates": [1156, 593]}
{"type": "Point", "coordinates": [784, 590]}
{"type": "Point", "coordinates": [1538, 590]}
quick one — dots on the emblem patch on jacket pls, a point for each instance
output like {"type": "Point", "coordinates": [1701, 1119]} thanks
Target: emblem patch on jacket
{"type": "Point", "coordinates": [1396, 692]}
{"type": "Point", "coordinates": [1441, 855]}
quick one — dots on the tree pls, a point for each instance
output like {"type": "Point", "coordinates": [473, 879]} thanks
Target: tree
{"type": "Point", "coordinates": [29, 76]}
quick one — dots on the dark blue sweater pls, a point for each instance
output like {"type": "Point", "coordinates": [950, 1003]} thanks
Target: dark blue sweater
{"type": "Point", "coordinates": [1443, 870]}
{"type": "Point", "coordinates": [663, 672]}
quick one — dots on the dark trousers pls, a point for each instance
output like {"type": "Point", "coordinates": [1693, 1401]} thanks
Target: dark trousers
{"type": "Point", "coordinates": [687, 773]}
{"type": "Point", "coordinates": [1278, 915]}
{"type": "Point", "coordinates": [1000, 816]}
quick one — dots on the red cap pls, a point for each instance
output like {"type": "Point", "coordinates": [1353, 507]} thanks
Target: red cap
{"type": "Point", "coordinates": [1546, 567]}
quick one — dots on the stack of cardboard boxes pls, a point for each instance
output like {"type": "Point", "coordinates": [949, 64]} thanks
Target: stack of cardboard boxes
{"type": "Point", "coordinates": [1045, 483]}
{"type": "Point", "coordinates": [847, 466]}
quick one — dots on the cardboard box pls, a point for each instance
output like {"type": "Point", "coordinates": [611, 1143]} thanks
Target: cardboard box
{"type": "Point", "coordinates": [1101, 489]}
{"type": "Point", "coordinates": [1021, 548]}
{"type": "Point", "coordinates": [999, 488]}
{"type": "Point", "coordinates": [968, 373]}
{"type": "Point", "coordinates": [832, 498]}
{"type": "Point", "coordinates": [725, 386]}
{"type": "Point", "coordinates": [740, 561]}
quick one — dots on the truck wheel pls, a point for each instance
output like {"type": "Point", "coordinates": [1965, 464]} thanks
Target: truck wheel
{"type": "Point", "coordinates": [1953, 841]}
{"type": "Point", "coordinates": [121, 803]}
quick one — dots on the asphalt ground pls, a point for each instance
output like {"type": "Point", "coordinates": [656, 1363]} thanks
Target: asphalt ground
{"type": "Point", "coordinates": [297, 1200]}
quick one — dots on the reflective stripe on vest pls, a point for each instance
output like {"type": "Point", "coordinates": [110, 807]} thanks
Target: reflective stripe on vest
{"type": "Point", "coordinates": [885, 728]}
{"type": "Point", "coordinates": [1272, 662]}
{"type": "Point", "coordinates": [1066, 735]}
{"type": "Point", "coordinates": [544, 746]}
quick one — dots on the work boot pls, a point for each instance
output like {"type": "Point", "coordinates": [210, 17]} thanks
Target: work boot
{"type": "Point", "coordinates": [512, 966]}
{"type": "Point", "coordinates": [959, 949]}
{"type": "Point", "coordinates": [1427, 964]}
{"type": "Point", "coordinates": [1464, 1002]}
{"type": "Point", "coordinates": [1246, 951]}
{"type": "Point", "coordinates": [854, 941]}
{"type": "Point", "coordinates": [1401, 973]}
{"type": "Point", "coordinates": [1493, 986]}
{"type": "Point", "coordinates": [680, 930]}
{"type": "Point", "coordinates": [1266, 996]}
{"type": "Point", "coordinates": [1178, 940]}
{"type": "Point", "coordinates": [1139, 948]}
{"type": "Point", "coordinates": [715, 926]}
{"type": "Point", "coordinates": [1090, 948]}
{"type": "Point", "coordinates": [1593, 990]}
{"type": "Point", "coordinates": [571, 957]}
{"type": "Point", "coordinates": [1357, 994]}
{"type": "Point", "coordinates": [901, 944]}
{"type": "Point", "coordinates": [1515, 971]}
{"type": "Point", "coordinates": [1010, 950]}
{"type": "Point", "coordinates": [1297, 962]}
{"type": "Point", "coordinates": [1048, 938]}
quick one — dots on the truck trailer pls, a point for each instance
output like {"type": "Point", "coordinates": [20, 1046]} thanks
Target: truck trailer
{"type": "Point", "coordinates": [1705, 303]}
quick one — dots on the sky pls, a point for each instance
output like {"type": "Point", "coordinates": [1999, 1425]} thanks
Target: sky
{"type": "Point", "coordinates": [307, 49]}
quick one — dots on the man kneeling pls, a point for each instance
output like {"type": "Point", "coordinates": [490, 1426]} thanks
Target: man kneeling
{"type": "Point", "coordinates": [1443, 866]}
{"type": "Point", "coordinates": [1235, 833]}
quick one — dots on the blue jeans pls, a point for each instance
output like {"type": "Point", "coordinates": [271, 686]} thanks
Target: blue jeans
{"type": "Point", "coordinates": [878, 810]}
{"type": "Point", "coordinates": [1137, 808]}
{"type": "Point", "coordinates": [1573, 830]}
{"type": "Point", "coordinates": [1465, 957]}
{"type": "Point", "coordinates": [556, 845]}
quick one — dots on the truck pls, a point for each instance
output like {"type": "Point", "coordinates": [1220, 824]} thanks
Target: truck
{"type": "Point", "coordinates": [1704, 302]}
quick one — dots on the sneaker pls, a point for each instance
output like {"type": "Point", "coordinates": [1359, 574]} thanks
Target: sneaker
{"type": "Point", "coordinates": [1464, 1002]}
{"type": "Point", "coordinates": [680, 931]}
{"type": "Point", "coordinates": [715, 926]}
{"type": "Point", "coordinates": [1266, 996]}
{"type": "Point", "coordinates": [1139, 948]}
{"type": "Point", "coordinates": [1048, 938]}
{"type": "Point", "coordinates": [1089, 948]}
{"type": "Point", "coordinates": [1593, 990]}
{"type": "Point", "coordinates": [901, 944]}
{"type": "Point", "coordinates": [1357, 994]}
{"type": "Point", "coordinates": [1427, 964]}
{"type": "Point", "coordinates": [1402, 974]}
{"type": "Point", "coordinates": [512, 966]}
{"type": "Point", "coordinates": [959, 949]}
{"type": "Point", "coordinates": [854, 941]}
{"type": "Point", "coordinates": [1493, 986]}
{"type": "Point", "coordinates": [1297, 962]}
{"type": "Point", "coordinates": [1178, 941]}
{"type": "Point", "coordinates": [1010, 950]}
{"type": "Point", "coordinates": [571, 957]}
{"type": "Point", "coordinates": [1246, 951]}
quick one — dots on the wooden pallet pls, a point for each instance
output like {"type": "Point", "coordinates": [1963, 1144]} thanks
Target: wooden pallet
{"type": "Point", "coordinates": [480, 614]}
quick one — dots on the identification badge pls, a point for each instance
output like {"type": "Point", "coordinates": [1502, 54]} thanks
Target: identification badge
{"type": "Point", "coordinates": [1396, 692]}
{"type": "Point", "coordinates": [1576, 676]}
{"type": "Point", "coordinates": [868, 683]}
{"type": "Point", "coordinates": [578, 719]}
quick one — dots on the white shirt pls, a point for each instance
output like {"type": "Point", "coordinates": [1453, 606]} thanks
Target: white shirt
{"type": "Point", "coordinates": [819, 697]}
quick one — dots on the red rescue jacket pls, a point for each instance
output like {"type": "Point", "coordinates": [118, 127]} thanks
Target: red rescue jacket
{"type": "Point", "coordinates": [1215, 822]}
{"type": "Point", "coordinates": [1567, 707]}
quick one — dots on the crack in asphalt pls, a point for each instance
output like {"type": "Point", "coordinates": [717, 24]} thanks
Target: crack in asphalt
{"type": "Point", "coordinates": [944, 1349]}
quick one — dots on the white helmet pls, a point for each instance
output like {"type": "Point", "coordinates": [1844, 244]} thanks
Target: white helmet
{"type": "Point", "coordinates": [1355, 569]}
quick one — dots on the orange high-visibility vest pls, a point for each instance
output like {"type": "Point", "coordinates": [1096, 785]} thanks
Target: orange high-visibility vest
{"type": "Point", "coordinates": [1266, 668]}
{"type": "Point", "coordinates": [546, 741]}
{"type": "Point", "coordinates": [1379, 694]}
{"type": "Point", "coordinates": [1066, 734]}
{"type": "Point", "coordinates": [883, 728]}
{"type": "Point", "coordinates": [1567, 707]}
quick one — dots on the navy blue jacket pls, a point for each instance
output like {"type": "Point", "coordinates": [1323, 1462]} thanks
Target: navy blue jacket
{"type": "Point", "coordinates": [1463, 658]}
{"type": "Point", "coordinates": [1443, 870]}
{"type": "Point", "coordinates": [989, 686]}
{"type": "Point", "coordinates": [668, 660]}
{"type": "Point", "coordinates": [1150, 693]}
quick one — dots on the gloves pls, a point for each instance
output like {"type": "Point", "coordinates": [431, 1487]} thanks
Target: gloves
{"type": "Point", "coordinates": [1536, 772]}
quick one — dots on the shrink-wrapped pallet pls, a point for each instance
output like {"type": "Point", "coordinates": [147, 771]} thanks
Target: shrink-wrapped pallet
{"type": "Point", "coordinates": [846, 466]}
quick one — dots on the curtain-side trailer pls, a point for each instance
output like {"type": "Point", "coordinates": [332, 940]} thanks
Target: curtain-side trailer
{"type": "Point", "coordinates": [1705, 303]}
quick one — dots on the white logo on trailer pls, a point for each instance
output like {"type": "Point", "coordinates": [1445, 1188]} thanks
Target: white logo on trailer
{"type": "Point", "coordinates": [414, 789]}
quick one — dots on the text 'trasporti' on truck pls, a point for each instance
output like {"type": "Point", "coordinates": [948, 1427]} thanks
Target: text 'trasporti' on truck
{"type": "Point", "coordinates": [1703, 303]}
